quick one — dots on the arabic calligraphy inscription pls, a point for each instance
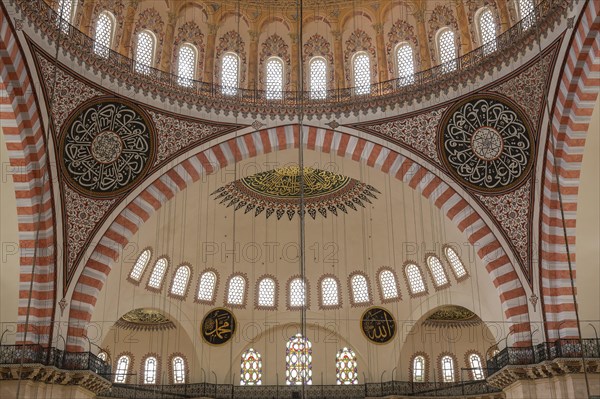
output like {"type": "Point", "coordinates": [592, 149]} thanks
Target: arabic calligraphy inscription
{"type": "Point", "coordinates": [218, 326]}
{"type": "Point", "coordinates": [378, 325]}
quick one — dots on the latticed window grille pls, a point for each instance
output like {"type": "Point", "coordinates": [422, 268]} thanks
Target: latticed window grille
{"type": "Point", "coordinates": [526, 12]}
{"type": "Point", "coordinates": [144, 52]}
{"type": "Point", "coordinates": [104, 33]}
{"type": "Point", "coordinates": [298, 361]}
{"type": "Point", "coordinates": [454, 260]}
{"type": "Point", "coordinates": [122, 368]}
{"type": "Point", "coordinates": [346, 367]}
{"type": "Point", "coordinates": [476, 367]}
{"type": "Point", "coordinates": [180, 281]}
{"type": "Point", "coordinates": [158, 273]}
{"type": "Point", "coordinates": [437, 271]}
{"type": "Point", "coordinates": [297, 293]}
{"type": "Point", "coordinates": [186, 65]}
{"type": "Point", "coordinates": [251, 368]}
{"type": "Point", "coordinates": [360, 289]}
{"type": "Point", "coordinates": [405, 64]}
{"type": "Point", "coordinates": [447, 369]}
{"type": "Point", "coordinates": [447, 50]}
{"type": "Point", "coordinates": [330, 292]}
{"type": "Point", "coordinates": [230, 65]}
{"type": "Point", "coordinates": [318, 78]}
{"type": "Point", "coordinates": [65, 14]}
{"type": "Point", "coordinates": [419, 369]}
{"type": "Point", "coordinates": [206, 287]}
{"type": "Point", "coordinates": [266, 292]}
{"type": "Point", "coordinates": [178, 370]}
{"type": "Point", "coordinates": [274, 79]}
{"type": "Point", "coordinates": [415, 279]}
{"type": "Point", "coordinates": [236, 290]}
{"type": "Point", "coordinates": [389, 285]}
{"type": "Point", "coordinates": [362, 73]}
{"type": "Point", "coordinates": [140, 265]}
{"type": "Point", "coordinates": [150, 366]}
{"type": "Point", "coordinates": [487, 30]}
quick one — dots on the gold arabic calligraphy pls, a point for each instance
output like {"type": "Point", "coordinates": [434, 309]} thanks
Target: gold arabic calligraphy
{"type": "Point", "coordinates": [378, 325]}
{"type": "Point", "coordinates": [218, 326]}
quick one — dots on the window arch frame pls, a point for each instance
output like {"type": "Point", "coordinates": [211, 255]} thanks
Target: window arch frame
{"type": "Point", "coordinates": [355, 88]}
{"type": "Point", "coordinates": [164, 276]}
{"type": "Point", "coordinates": [380, 285]}
{"type": "Point", "coordinates": [244, 294]}
{"type": "Point", "coordinates": [257, 304]}
{"type": "Point", "coordinates": [411, 370]}
{"type": "Point", "coordinates": [322, 305]}
{"type": "Point", "coordinates": [353, 302]}
{"type": "Point", "coordinates": [129, 367]}
{"type": "Point", "coordinates": [491, 45]}
{"type": "Point", "coordinates": [111, 34]}
{"type": "Point", "coordinates": [458, 278]}
{"type": "Point", "coordinates": [258, 380]}
{"type": "Point", "coordinates": [469, 364]}
{"type": "Point", "coordinates": [452, 64]}
{"type": "Point", "coordinates": [266, 72]}
{"type": "Point", "coordinates": [436, 286]}
{"type": "Point", "coordinates": [194, 64]}
{"type": "Point", "coordinates": [214, 291]}
{"type": "Point", "coordinates": [441, 358]}
{"type": "Point", "coordinates": [157, 371]}
{"type": "Point", "coordinates": [140, 67]}
{"type": "Point", "coordinates": [233, 89]}
{"type": "Point", "coordinates": [327, 77]}
{"type": "Point", "coordinates": [172, 378]}
{"type": "Point", "coordinates": [407, 280]}
{"type": "Point", "coordinates": [186, 287]}
{"type": "Point", "coordinates": [289, 293]}
{"type": "Point", "coordinates": [307, 380]}
{"type": "Point", "coordinates": [144, 268]}
{"type": "Point", "coordinates": [400, 77]}
{"type": "Point", "coordinates": [338, 360]}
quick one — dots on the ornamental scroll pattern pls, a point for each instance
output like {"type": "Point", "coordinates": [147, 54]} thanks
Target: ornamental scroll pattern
{"type": "Point", "coordinates": [318, 46]}
{"type": "Point", "coordinates": [151, 20]}
{"type": "Point", "coordinates": [442, 16]}
{"type": "Point", "coordinates": [401, 31]}
{"type": "Point", "coordinates": [359, 40]}
{"type": "Point", "coordinates": [274, 45]}
{"type": "Point", "coordinates": [189, 32]}
{"type": "Point", "coordinates": [231, 41]}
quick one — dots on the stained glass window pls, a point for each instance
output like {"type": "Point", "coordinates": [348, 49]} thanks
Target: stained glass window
{"type": "Point", "coordinates": [487, 30]}
{"type": "Point", "coordinates": [122, 369]}
{"type": "Point", "coordinates": [447, 50]}
{"type": "Point", "coordinates": [180, 280]}
{"type": "Point", "coordinates": [274, 78]}
{"type": "Point", "coordinates": [144, 52]}
{"type": "Point", "coordinates": [361, 70]}
{"type": "Point", "coordinates": [297, 293]}
{"type": "Point", "coordinates": [447, 369]}
{"type": "Point", "coordinates": [236, 290]}
{"type": "Point", "coordinates": [230, 65]}
{"type": "Point", "coordinates": [525, 11]}
{"type": "Point", "coordinates": [186, 65]}
{"type": "Point", "coordinates": [206, 287]}
{"type": "Point", "coordinates": [454, 260]}
{"type": "Point", "coordinates": [65, 14]}
{"type": "Point", "coordinates": [150, 370]}
{"type": "Point", "coordinates": [415, 279]}
{"type": "Point", "coordinates": [178, 370]}
{"type": "Point", "coordinates": [266, 292]}
{"type": "Point", "coordinates": [405, 64]}
{"type": "Point", "coordinates": [419, 369]}
{"type": "Point", "coordinates": [298, 361]}
{"type": "Point", "coordinates": [318, 78]}
{"type": "Point", "coordinates": [330, 295]}
{"type": "Point", "coordinates": [158, 273]}
{"type": "Point", "coordinates": [360, 289]}
{"type": "Point", "coordinates": [346, 367]}
{"type": "Point", "coordinates": [140, 265]}
{"type": "Point", "coordinates": [104, 33]}
{"type": "Point", "coordinates": [389, 285]}
{"type": "Point", "coordinates": [251, 368]}
{"type": "Point", "coordinates": [437, 271]}
{"type": "Point", "coordinates": [476, 367]}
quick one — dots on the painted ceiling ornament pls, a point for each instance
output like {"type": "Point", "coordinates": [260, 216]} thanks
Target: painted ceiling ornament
{"type": "Point", "coordinates": [277, 192]}
{"type": "Point", "coordinates": [107, 146]}
{"type": "Point", "coordinates": [145, 319]}
{"type": "Point", "coordinates": [487, 143]}
{"type": "Point", "coordinates": [452, 316]}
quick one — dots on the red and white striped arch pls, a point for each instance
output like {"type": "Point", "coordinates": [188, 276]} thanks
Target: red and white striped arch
{"type": "Point", "coordinates": [576, 97]}
{"type": "Point", "coordinates": [94, 275]}
{"type": "Point", "coordinates": [21, 125]}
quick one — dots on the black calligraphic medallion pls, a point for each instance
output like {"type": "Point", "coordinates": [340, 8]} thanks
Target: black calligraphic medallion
{"type": "Point", "coordinates": [378, 325]}
{"type": "Point", "coordinates": [218, 326]}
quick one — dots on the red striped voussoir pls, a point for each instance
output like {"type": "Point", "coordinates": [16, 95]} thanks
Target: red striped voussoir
{"type": "Point", "coordinates": [95, 272]}
{"type": "Point", "coordinates": [21, 125]}
{"type": "Point", "coordinates": [575, 102]}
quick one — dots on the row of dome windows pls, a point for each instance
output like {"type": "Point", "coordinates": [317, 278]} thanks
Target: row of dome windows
{"type": "Point", "coordinates": [298, 362]}
{"type": "Point", "coordinates": [329, 286]}
{"type": "Point", "coordinates": [317, 66]}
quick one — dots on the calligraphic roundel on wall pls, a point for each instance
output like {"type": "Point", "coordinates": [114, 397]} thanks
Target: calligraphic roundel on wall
{"type": "Point", "coordinates": [487, 143]}
{"type": "Point", "coordinates": [218, 326]}
{"type": "Point", "coordinates": [107, 145]}
{"type": "Point", "coordinates": [378, 325]}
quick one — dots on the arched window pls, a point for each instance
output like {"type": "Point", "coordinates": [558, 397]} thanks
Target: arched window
{"type": "Point", "coordinates": [330, 292]}
{"type": "Point", "coordinates": [418, 369]}
{"type": "Point", "coordinates": [65, 11]}
{"type": "Point", "coordinates": [389, 285]}
{"type": "Point", "coordinates": [457, 266]}
{"type": "Point", "coordinates": [158, 274]}
{"type": "Point", "coordinates": [447, 50]}
{"type": "Point", "coordinates": [102, 356]}
{"type": "Point", "coordinates": [361, 69]}
{"type": "Point", "coordinates": [437, 271]}
{"type": "Point", "coordinates": [104, 34]}
{"type": "Point", "coordinates": [140, 265]}
{"type": "Point", "coordinates": [180, 281]}
{"type": "Point", "coordinates": [297, 294]}
{"type": "Point", "coordinates": [415, 279]}
{"type": "Point", "coordinates": [230, 72]}
{"type": "Point", "coordinates": [122, 369]}
{"type": "Point", "coordinates": [447, 364]}
{"type": "Point", "coordinates": [144, 51]}
{"type": "Point", "coordinates": [186, 65]}
{"type": "Point", "coordinates": [274, 77]}
{"type": "Point", "coordinates": [251, 368]}
{"type": "Point", "coordinates": [206, 287]}
{"type": "Point", "coordinates": [150, 368]}
{"type": "Point", "coordinates": [266, 293]}
{"type": "Point", "coordinates": [346, 367]}
{"type": "Point", "coordinates": [178, 364]}
{"type": "Point", "coordinates": [487, 30]}
{"type": "Point", "coordinates": [526, 12]}
{"type": "Point", "coordinates": [318, 78]}
{"type": "Point", "coordinates": [298, 361]}
{"type": "Point", "coordinates": [236, 290]}
{"type": "Point", "coordinates": [360, 289]}
{"type": "Point", "coordinates": [405, 64]}
{"type": "Point", "coordinates": [476, 366]}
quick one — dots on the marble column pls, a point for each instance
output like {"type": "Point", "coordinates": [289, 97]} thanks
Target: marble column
{"type": "Point", "coordinates": [381, 55]}
{"type": "Point", "coordinates": [125, 42]}
{"type": "Point", "coordinates": [167, 50]}
{"type": "Point", "coordinates": [209, 64]}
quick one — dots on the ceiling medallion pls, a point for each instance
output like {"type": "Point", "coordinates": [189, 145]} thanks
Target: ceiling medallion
{"type": "Point", "coordinates": [452, 316]}
{"type": "Point", "coordinates": [107, 146]}
{"type": "Point", "coordinates": [378, 325]}
{"type": "Point", "coordinates": [145, 319]}
{"type": "Point", "coordinates": [218, 326]}
{"type": "Point", "coordinates": [277, 192]}
{"type": "Point", "coordinates": [487, 143]}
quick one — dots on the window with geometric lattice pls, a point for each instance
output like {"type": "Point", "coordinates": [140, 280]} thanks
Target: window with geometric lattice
{"type": "Point", "coordinates": [297, 293]}
{"type": "Point", "coordinates": [447, 50]}
{"type": "Point", "coordinates": [158, 274]}
{"type": "Point", "coordinates": [415, 279]}
{"type": "Point", "coordinates": [274, 79]}
{"type": "Point", "coordinates": [266, 293]}
{"type": "Point", "coordinates": [487, 31]}
{"type": "Point", "coordinates": [206, 287]}
{"type": "Point", "coordinates": [361, 69]}
{"type": "Point", "coordinates": [104, 34]}
{"type": "Point", "coordinates": [180, 281]}
{"type": "Point", "coordinates": [65, 12]}
{"type": "Point", "coordinates": [437, 271]}
{"type": "Point", "coordinates": [144, 52]}
{"type": "Point", "coordinates": [140, 265]}
{"type": "Point", "coordinates": [236, 290]}
{"type": "Point", "coordinates": [298, 361]}
{"type": "Point", "coordinates": [447, 369]}
{"type": "Point", "coordinates": [230, 65]}
{"type": "Point", "coordinates": [186, 65]}
{"type": "Point", "coordinates": [455, 262]}
{"type": "Point", "coordinates": [251, 365]}
{"type": "Point", "coordinates": [405, 64]}
{"type": "Point", "coordinates": [318, 78]}
{"type": "Point", "coordinates": [389, 285]}
{"type": "Point", "coordinates": [346, 367]}
{"type": "Point", "coordinates": [526, 9]}
{"type": "Point", "coordinates": [178, 364]}
{"type": "Point", "coordinates": [476, 366]}
{"type": "Point", "coordinates": [122, 369]}
{"type": "Point", "coordinates": [418, 369]}
{"type": "Point", "coordinates": [360, 289]}
{"type": "Point", "coordinates": [150, 369]}
{"type": "Point", "coordinates": [330, 294]}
